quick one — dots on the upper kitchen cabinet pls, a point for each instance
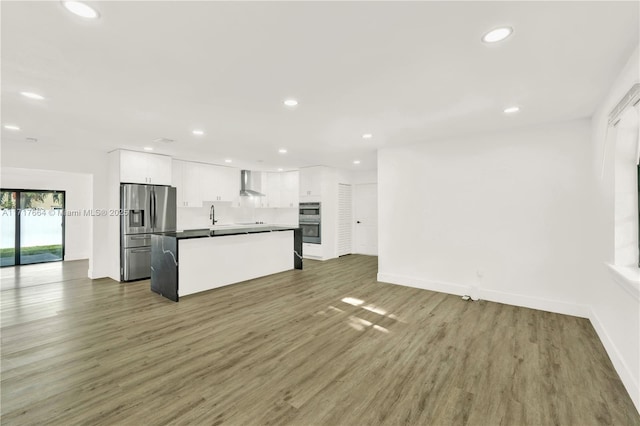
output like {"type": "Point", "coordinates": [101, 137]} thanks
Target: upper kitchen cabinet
{"type": "Point", "coordinates": [140, 167]}
{"type": "Point", "coordinates": [186, 179]}
{"type": "Point", "coordinates": [219, 183]}
{"type": "Point", "coordinates": [272, 188]}
{"type": "Point", "coordinates": [311, 183]}
{"type": "Point", "coordinates": [280, 190]}
{"type": "Point", "coordinates": [289, 195]}
{"type": "Point", "coordinates": [198, 183]}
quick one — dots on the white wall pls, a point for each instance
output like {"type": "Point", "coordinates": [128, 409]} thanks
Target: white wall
{"type": "Point", "coordinates": [365, 176]}
{"type": "Point", "coordinates": [41, 156]}
{"type": "Point", "coordinates": [78, 239]}
{"type": "Point", "coordinates": [615, 310]}
{"type": "Point", "coordinates": [501, 216]}
{"type": "Point", "coordinates": [198, 217]}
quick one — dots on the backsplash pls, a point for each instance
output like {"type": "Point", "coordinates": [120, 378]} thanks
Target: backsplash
{"type": "Point", "coordinates": [198, 217]}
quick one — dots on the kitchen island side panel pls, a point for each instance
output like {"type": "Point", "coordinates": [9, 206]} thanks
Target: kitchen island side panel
{"type": "Point", "coordinates": [164, 266]}
{"type": "Point", "coordinates": [208, 263]}
{"type": "Point", "coordinates": [297, 248]}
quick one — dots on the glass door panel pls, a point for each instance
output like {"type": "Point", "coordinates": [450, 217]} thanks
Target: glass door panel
{"type": "Point", "coordinates": [7, 228]}
{"type": "Point", "coordinates": [41, 226]}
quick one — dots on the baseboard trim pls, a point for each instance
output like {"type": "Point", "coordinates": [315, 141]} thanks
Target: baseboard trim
{"type": "Point", "coordinates": [490, 295]}
{"type": "Point", "coordinates": [91, 275]}
{"type": "Point", "coordinates": [621, 367]}
{"type": "Point", "coordinates": [75, 256]}
{"type": "Point", "coordinates": [532, 302]}
{"type": "Point", "coordinates": [440, 286]}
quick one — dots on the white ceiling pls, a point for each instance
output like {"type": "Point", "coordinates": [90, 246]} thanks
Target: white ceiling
{"type": "Point", "coordinates": [404, 71]}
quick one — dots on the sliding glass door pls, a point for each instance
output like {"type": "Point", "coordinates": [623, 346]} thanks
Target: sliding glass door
{"type": "Point", "coordinates": [8, 203]}
{"type": "Point", "coordinates": [32, 226]}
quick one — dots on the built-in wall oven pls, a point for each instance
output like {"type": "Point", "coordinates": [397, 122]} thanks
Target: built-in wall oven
{"type": "Point", "coordinates": [310, 212]}
{"type": "Point", "coordinates": [310, 223]}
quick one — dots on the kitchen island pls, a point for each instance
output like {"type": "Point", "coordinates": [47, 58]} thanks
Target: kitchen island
{"type": "Point", "coordinates": [192, 261]}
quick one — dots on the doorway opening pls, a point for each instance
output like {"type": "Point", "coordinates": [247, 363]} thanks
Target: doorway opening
{"type": "Point", "coordinates": [32, 226]}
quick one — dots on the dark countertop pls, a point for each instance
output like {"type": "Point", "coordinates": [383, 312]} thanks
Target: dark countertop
{"type": "Point", "coordinates": [202, 233]}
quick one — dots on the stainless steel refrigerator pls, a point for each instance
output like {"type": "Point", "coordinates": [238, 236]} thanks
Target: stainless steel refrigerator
{"type": "Point", "coordinates": [146, 209]}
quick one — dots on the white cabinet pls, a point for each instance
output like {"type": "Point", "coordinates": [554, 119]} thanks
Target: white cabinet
{"type": "Point", "coordinates": [280, 190]}
{"type": "Point", "coordinates": [210, 184]}
{"type": "Point", "coordinates": [198, 183]}
{"type": "Point", "coordinates": [219, 183]}
{"type": "Point", "coordinates": [311, 182]}
{"type": "Point", "coordinates": [271, 189]}
{"type": "Point", "coordinates": [191, 181]}
{"type": "Point", "coordinates": [186, 179]}
{"type": "Point", "coordinates": [313, 251]}
{"type": "Point", "coordinates": [231, 189]}
{"type": "Point", "coordinates": [140, 167]}
{"type": "Point", "coordinates": [289, 190]}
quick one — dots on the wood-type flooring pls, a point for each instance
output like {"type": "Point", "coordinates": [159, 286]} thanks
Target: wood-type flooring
{"type": "Point", "coordinates": [328, 345]}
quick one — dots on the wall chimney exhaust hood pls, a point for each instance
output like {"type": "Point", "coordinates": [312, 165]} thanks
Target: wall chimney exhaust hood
{"type": "Point", "coordinates": [249, 183]}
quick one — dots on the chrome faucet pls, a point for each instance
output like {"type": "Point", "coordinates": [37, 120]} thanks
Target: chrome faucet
{"type": "Point", "coordinates": [212, 214]}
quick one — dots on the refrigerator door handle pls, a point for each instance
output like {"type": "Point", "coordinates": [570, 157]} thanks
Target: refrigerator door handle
{"type": "Point", "coordinates": [151, 209]}
{"type": "Point", "coordinates": [155, 211]}
{"type": "Point", "coordinates": [154, 224]}
{"type": "Point", "coordinates": [141, 250]}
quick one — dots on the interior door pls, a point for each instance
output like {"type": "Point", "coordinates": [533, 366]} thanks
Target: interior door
{"type": "Point", "coordinates": [345, 219]}
{"type": "Point", "coordinates": [366, 218]}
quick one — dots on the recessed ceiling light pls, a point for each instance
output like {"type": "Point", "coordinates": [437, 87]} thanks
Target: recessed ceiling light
{"type": "Point", "coordinates": [198, 132]}
{"type": "Point", "coordinates": [148, 148]}
{"type": "Point", "coordinates": [32, 95]}
{"type": "Point", "coordinates": [11, 127]}
{"type": "Point", "coordinates": [291, 102]}
{"type": "Point", "coordinates": [367, 136]}
{"type": "Point", "coordinates": [81, 9]}
{"type": "Point", "coordinates": [511, 110]}
{"type": "Point", "coordinates": [280, 169]}
{"type": "Point", "coordinates": [497, 34]}
{"type": "Point", "coordinates": [282, 151]}
{"type": "Point", "coordinates": [228, 160]}
{"type": "Point", "coordinates": [356, 161]}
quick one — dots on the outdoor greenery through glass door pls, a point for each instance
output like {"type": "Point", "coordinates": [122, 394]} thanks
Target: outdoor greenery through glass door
{"type": "Point", "coordinates": [37, 217]}
{"type": "Point", "coordinates": [8, 227]}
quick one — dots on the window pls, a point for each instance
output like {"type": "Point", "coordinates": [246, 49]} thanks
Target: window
{"type": "Point", "coordinates": [627, 187]}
